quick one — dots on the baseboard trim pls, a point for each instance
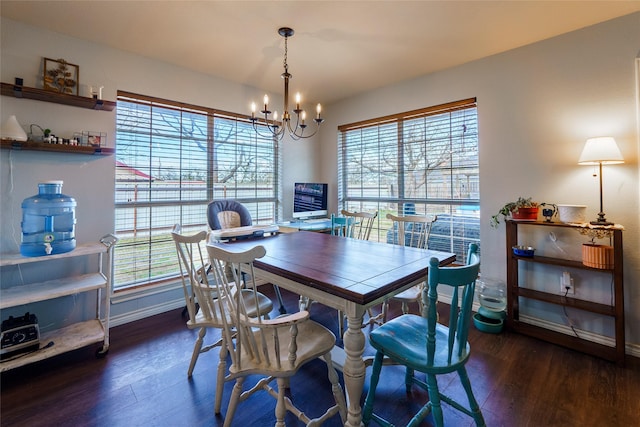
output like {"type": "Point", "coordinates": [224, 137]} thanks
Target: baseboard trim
{"type": "Point", "coordinates": [630, 348]}
{"type": "Point", "coordinates": [132, 316]}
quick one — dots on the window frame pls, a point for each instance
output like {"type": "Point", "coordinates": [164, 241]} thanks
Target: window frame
{"type": "Point", "coordinates": [194, 184]}
{"type": "Point", "coordinates": [455, 227]}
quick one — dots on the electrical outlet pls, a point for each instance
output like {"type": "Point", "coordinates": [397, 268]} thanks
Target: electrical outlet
{"type": "Point", "coordinates": [566, 284]}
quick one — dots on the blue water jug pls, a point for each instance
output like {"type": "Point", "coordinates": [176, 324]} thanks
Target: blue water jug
{"type": "Point", "coordinates": [48, 221]}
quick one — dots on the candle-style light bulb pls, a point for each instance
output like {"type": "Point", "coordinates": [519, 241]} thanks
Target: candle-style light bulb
{"type": "Point", "coordinates": [266, 103]}
{"type": "Point", "coordinates": [253, 110]}
{"type": "Point", "coordinates": [298, 101]}
{"type": "Point", "coordinates": [275, 116]}
{"type": "Point", "coordinates": [319, 110]}
{"type": "Point", "coordinates": [304, 116]}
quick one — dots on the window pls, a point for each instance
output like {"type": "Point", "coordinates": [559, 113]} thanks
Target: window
{"type": "Point", "coordinates": [172, 159]}
{"type": "Point", "coordinates": [424, 162]}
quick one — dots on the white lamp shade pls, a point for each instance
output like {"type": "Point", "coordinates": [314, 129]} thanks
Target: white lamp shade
{"type": "Point", "coordinates": [11, 129]}
{"type": "Point", "coordinates": [598, 150]}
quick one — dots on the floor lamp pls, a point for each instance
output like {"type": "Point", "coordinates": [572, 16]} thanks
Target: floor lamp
{"type": "Point", "coordinates": [599, 151]}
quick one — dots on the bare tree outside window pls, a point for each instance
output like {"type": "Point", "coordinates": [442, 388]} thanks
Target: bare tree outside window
{"type": "Point", "coordinates": [424, 163]}
{"type": "Point", "coordinates": [171, 161]}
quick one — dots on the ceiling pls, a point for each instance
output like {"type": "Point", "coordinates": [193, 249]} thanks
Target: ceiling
{"type": "Point", "coordinates": [340, 48]}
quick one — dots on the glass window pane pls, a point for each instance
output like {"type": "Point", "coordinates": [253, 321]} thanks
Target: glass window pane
{"type": "Point", "coordinates": [419, 164]}
{"type": "Point", "coordinates": [171, 161]}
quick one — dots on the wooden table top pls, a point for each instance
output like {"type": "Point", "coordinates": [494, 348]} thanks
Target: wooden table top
{"type": "Point", "coordinates": [356, 270]}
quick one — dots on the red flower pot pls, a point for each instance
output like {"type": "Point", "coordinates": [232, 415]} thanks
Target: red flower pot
{"type": "Point", "coordinates": [527, 214]}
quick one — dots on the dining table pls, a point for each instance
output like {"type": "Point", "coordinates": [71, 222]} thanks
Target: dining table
{"type": "Point", "coordinates": [347, 274]}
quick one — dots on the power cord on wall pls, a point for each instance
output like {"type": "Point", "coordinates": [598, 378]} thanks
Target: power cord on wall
{"type": "Point", "coordinates": [566, 315]}
{"type": "Point", "coordinates": [9, 201]}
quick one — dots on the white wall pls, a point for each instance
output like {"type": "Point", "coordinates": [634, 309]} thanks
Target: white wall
{"type": "Point", "coordinates": [536, 107]}
{"type": "Point", "coordinates": [90, 179]}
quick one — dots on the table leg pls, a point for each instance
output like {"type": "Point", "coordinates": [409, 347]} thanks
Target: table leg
{"type": "Point", "coordinates": [276, 289]}
{"type": "Point", "coordinates": [354, 368]}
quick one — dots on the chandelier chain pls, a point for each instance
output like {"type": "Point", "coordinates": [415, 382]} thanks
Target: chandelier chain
{"type": "Point", "coordinates": [286, 50]}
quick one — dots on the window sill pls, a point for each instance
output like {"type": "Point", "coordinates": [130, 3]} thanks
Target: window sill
{"type": "Point", "coordinates": [124, 295]}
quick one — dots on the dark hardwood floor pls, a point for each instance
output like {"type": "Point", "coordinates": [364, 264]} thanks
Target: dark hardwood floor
{"type": "Point", "coordinates": [518, 381]}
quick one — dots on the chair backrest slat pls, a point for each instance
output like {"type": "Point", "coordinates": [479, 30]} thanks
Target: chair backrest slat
{"type": "Point", "coordinates": [261, 344]}
{"type": "Point", "coordinates": [342, 226]}
{"type": "Point", "coordinates": [193, 272]}
{"type": "Point", "coordinates": [463, 280]}
{"type": "Point", "coordinates": [362, 223]}
{"type": "Point", "coordinates": [412, 230]}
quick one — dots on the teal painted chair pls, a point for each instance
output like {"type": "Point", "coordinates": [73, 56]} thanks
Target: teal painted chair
{"type": "Point", "coordinates": [342, 226]}
{"type": "Point", "coordinates": [421, 344]}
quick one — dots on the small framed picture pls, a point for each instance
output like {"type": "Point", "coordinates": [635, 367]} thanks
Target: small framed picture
{"type": "Point", "coordinates": [95, 139]}
{"type": "Point", "coordinates": [60, 76]}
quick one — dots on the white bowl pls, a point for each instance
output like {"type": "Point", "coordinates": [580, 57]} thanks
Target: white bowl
{"type": "Point", "coordinates": [572, 213]}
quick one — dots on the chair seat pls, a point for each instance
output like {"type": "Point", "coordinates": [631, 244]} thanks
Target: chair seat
{"type": "Point", "coordinates": [256, 306]}
{"type": "Point", "coordinates": [263, 306]}
{"type": "Point", "coordinates": [403, 339]}
{"type": "Point", "coordinates": [313, 341]}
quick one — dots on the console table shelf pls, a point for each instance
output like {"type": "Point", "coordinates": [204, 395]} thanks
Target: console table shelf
{"type": "Point", "coordinates": [56, 97]}
{"type": "Point", "coordinates": [557, 261]}
{"type": "Point", "coordinates": [593, 307]}
{"type": "Point", "coordinates": [516, 291]}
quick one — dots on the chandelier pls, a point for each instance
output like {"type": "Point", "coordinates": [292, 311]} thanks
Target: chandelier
{"type": "Point", "coordinates": [279, 129]}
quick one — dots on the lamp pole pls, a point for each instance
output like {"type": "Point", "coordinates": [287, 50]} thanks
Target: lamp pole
{"type": "Point", "coordinates": [601, 219]}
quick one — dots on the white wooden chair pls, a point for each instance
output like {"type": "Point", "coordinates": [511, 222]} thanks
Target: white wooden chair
{"type": "Point", "coordinates": [357, 225]}
{"type": "Point", "coordinates": [199, 295]}
{"type": "Point", "coordinates": [275, 348]}
{"type": "Point", "coordinates": [413, 231]}
{"type": "Point", "coordinates": [361, 228]}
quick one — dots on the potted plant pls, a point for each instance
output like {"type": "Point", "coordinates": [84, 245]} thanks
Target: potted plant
{"type": "Point", "coordinates": [524, 209]}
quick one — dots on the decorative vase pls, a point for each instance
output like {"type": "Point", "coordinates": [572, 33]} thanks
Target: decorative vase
{"type": "Point", "coordinates": [597, 256]}
{"type": "Point", "coordinates": [526, 214]}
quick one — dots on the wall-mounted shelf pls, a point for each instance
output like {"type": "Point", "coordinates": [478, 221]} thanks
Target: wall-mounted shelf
{"type": "Point", "coordinates": [58, 148]}
{"type": "Point", "coordinates": [56, 97]}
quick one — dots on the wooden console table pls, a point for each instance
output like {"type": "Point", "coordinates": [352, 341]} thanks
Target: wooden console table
{"type": "Point", "coordinates": [614, 310]}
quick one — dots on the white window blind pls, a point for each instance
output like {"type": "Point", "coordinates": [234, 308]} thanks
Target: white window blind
{"type": "Point", "coordinates": [423, 161]}
{"type": "Point", "coordinates": [172, 160]}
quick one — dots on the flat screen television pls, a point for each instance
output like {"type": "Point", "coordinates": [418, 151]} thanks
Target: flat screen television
{"type": "Point", "coordinates": [309, 200]}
